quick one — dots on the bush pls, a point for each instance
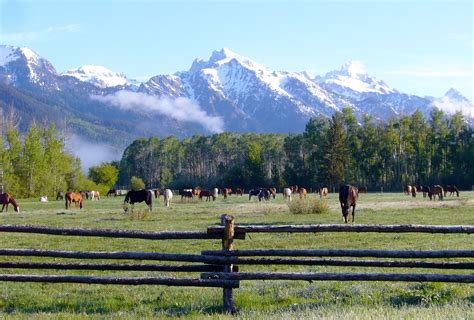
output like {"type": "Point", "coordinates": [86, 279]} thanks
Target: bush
{"type": "Point", "coordinates": [308, 206]}
{"type": "Point", "coordinates": [137, 183]}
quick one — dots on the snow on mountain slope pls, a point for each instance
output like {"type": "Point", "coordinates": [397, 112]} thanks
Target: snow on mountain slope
{"type": "Point", "coordinates": [453, 102]}
{"type": "Point", "coordinates": [352, 81]}
{"type": "Point", "coordinates": [7, 55]}
{"type": "Point", "coordinates": [99, 76]}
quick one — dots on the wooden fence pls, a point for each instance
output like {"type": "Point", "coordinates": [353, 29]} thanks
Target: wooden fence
{"type": "Point", "coordinates": [221, 268]}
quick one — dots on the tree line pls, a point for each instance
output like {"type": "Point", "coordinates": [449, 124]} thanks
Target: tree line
{"type": "Point", "coordinates": [38, 165]}
{"type": "Point", "coordinates": [330, 151]}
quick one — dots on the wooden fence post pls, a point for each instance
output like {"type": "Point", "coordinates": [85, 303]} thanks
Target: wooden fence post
{"type": "Point", "coordinates": [227, 244]}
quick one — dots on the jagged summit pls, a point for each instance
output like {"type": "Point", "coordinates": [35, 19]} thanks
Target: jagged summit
{"type": "Point", "coordinates": [98, 76]}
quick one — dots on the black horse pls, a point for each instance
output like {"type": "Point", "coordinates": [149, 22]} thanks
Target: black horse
{"type": "Point", "coordinates": [264, 194]}
{"type": "Point", "coordinates": [59, 195]}
{"type": "Point", "coordinates": [134, 196]}
{"type": "Point", "coordinates": [254, 192]}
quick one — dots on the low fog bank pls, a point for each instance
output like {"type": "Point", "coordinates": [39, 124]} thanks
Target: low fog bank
{"type": "Point", "coordinates": [90, 153]}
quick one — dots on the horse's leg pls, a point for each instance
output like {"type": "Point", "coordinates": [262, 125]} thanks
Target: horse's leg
{"type": "Point", "coordinates": [353, 213]}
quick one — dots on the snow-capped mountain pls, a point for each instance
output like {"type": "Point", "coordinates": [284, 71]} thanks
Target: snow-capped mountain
{"type": "Point", "coordinates": [100, 76]}
{"type": "Point", "coordinates": [244, 94]}
{"type": "Point", "coordinates": [353, 82]}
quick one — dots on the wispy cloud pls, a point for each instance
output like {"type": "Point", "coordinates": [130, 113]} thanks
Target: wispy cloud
{"type": "Point", "coordinates": [181, 109]}
{"type": "Point", "coordinates": [15, 37]}
{"type": "Point", "coordinates": [432, 72]}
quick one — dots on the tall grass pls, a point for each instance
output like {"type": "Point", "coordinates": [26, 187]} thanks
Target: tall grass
{"type": "Point", "coordinates": [308, 206]}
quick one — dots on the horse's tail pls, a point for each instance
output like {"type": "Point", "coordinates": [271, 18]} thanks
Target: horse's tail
{"type": "Point", "coordinates": [66, 202]}
{"type": "Point", "coordinates": [80, 204]}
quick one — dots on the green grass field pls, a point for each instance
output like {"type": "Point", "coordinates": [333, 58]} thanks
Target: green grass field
{"type": "Point", "coordinates": [255, 299]}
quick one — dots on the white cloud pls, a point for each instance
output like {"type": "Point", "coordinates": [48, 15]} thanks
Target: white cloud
{"type": "Point", "coordinates": [447, 105]}
{"type": "Point", "coordinates": [181, 109]}
{"type": "Point", "coordinates": [16, 37]}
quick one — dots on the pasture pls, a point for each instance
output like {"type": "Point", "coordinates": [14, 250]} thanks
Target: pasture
{"type": "Point", "coordinates": [255, 299]}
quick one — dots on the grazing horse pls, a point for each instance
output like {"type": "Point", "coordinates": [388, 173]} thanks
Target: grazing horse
{"type": "Point", "coordinates": [424, 189]}
{"type": "Point", "coordinates": [436, 190]}
{"type": "Point", "coordinates": [294, 189]}
{"type": "Point", "coordinates": [413, 192]}
{"type": "Point", "coordinates": [208, 194]}
{"type": "Point", "coordinates": [303, 193]}
{"type": "Point", "coordinates": [6, 199]}
{"type": "Point", "coordinates": [362, 189]}
{"type": "Point", "coordinates": [254, 192]}
{"type": "Point", "coordinates": [44, 199]}
{"type": "Point", "coordinates": [168, 196]}
{"type": "Point", "coordinates": [112, 192]}
{"type": "Point", "coordinates": [239, 192]}
{"type": "Point", "coordinates": [452, 190]}
{"type": "Point", "coordinates": [407, 190]}
{"type": "Point", "coordinates": [264, 194]}
{"type": "Point", "coordinates": [215, 192]}
{"type": "Point", "coordinates": [273, 192]}
{"type": "Point", "coordinates": [85, 194]}
{"type": "Point", "coordinates": [348, 197]}
{"type": "Point", "coordinates": [156, 193]}
{"type": "Point", "coordinates": [186, 193]}
{"type": "Point", "coordinates": [94, 195]}
{"type": "Point", "coordinates": [134, 196]}
{"type": "Point", "coordinates": [75, 197]}
{"type": "Point", "coordinates": [59, 195]}
{"type": "Point", "coordinates": [287, 194]}
{"type": "Point", "coordinates": [323, 192]}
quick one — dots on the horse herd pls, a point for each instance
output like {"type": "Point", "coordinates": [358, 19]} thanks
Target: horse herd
{"type": "Point", "coordinates": [348, 195]}
{"type": "Point", "coordinates": [431, 191]}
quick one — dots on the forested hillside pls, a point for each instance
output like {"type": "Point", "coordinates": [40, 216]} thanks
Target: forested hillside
{"type": "Point", "coordinates": [406, 150]}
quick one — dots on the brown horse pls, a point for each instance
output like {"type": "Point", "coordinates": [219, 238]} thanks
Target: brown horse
{"type": "Point", "coordinates": [413, 192]}
{"type": "Point", "coordinates": [112, 192]}
{"type": "Point", "coordinates": [323, 192]}
{"type": "Point", "coordinates": [6, 199]}
{"type": "Point", "coordinates": [226, 192]}
{"type": "Point", "coordinates": [452, 190]}
{"type": "Point", "coordinates": [239, 192]}
{"type": "Point", "coordinates": [436, 190]}
{"type": "Point", "coordinates": [75, 197]}
{"type": "Point", "coordinates": [197, 191]}
{"type": "Point", "coordinates": [362, 189]}
{"type": "Point", "coordinates": [156, 192]}
{"type": "Point", "coordinates": [407, 190]}
{"type": "Point", "coordinates": [273, 192]}
{"type": "Point", "coordinates": [348, 197]}
{"type": "Point", "coordinates": [303, 193]}
{"type": "Point", "coordinates": [208, 194]}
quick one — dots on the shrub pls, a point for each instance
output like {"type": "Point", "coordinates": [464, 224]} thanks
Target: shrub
{"type": "Point", "coordinates": [137, 183]}
{"type": "Point", "coordinates": [308, 206]}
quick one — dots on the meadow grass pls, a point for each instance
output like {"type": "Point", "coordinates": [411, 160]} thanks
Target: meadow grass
{"type": "Point", "coordinates": [255, 299]}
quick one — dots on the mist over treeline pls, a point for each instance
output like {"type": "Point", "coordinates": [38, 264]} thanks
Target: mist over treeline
{"type": "Point", "coordinates": [406, 150]}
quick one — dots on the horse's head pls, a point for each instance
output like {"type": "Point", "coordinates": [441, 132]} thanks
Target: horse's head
{"type": "Point", "coordinates": [126, 206]}
{"type": "Point", "coordinates": [17, 209]}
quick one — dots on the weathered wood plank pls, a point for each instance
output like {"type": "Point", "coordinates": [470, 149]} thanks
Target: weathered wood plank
{"type": "Point", "coordinates": [117, 255]}
{"type": "Point", "coordinates": [459, 278]}
{"type": "Point", "coordinates": [345, 253]}
{"type": "Point", "coordinates": [110, 266]}
{"type": "Point", "coordinates": [121, 280]}
{"type": "Point", "coordinates": [136, 234]}
{"type": "Point", "coordinates": [347, 228]}
{"type": "Point", "coordinates": [359, 263]}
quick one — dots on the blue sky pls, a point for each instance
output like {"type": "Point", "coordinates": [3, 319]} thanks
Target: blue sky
{"type": "Point", "coordinates": [419, 47]}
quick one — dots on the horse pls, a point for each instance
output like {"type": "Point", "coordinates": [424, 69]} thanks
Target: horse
{"type": "Point", "coordinates": [59, 195]}
{"type": "Point", "coordinates": [264, 194]}
{"type": "Point", "coordinates": [85, 194]}
{"type": "Point", "coordinates": [287, 194]}
{"type": "Point", "coordinates": [215, 192]}
{"type": "Point", "coordinates": [348, 198]}
{"type": "Point", "coordinates": [239, 192]}
{"type": "Point", "coordinates": [362, 189]}
{"type": "Point", "coordinates": [134, 196]}
{"type": "Point", "coordinates": [424, 189]}
{"type": "Point", "coordinates": [413, 192]}
{"type": "Point", "coordinates": [94, 195]}
{"type": "Point", "coordinates": [436, 190]}
{"type": "Point", "coordinates": [6, 199]}
{"type": "Point", "coordinates": [303, 193]}
{"type": "Point", "coordinates": [294, 189]}
{"type": "Point", "coordinates": [112, 192]}
{"type": "Point", "coordinates": [197, 191]}
{"type": "Point", "coordinates": [226, 192]}
{"type": "Point", "coordinates": [273, 192]}
{"type": "Point", "coordinates": [323, 192]}
{"type": "Point", "coordinates": [44, 199]}
{"type": "Point", "coordinates": [156, 193]}
{"type": "Point", "coordinates": [208, 194]}
{"type": "Point", "coordinates": [167, 196]}
{"type": "Point", "coordinates": [407, 190]}
{"type": "Point", "coordinates": [254, 192]}
{"type": "Point", "coordinates": [186, 193]}
{"type": "Point", "coordinates": [452, 190]}
{"type": "Point", "coordinates": [75, 197]}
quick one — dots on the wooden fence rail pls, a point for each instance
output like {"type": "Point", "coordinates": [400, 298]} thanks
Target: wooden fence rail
{"type": "Point", "coordinates": [220, 268]}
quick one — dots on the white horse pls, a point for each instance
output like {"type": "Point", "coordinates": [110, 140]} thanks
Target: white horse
{"type": "Point", "coordinates": [44, 199]}
{"type": "Point", "coordinates": [215, 192]}
{"type": "Point", "coordinates": [168, 195]}
{"type": "Point", "coordinates": [95, 195]}
{"type": "Point", "coordinates": [287, 194]}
